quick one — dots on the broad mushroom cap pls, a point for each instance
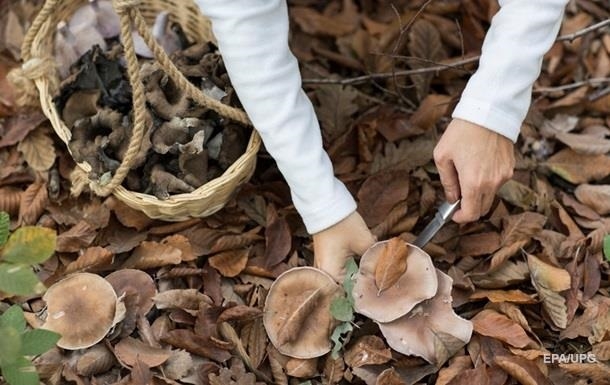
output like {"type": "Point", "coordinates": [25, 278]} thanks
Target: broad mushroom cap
{"type": "Point", "coordinates": [81, 308]}
{"type": "Point", "coordinates": [297, 314]}
{"type": "Point", "coordinates": [434, 319]}
{"type": "Point", "coordinates": [418, 283]}
{"type": "Point", "coordinates": [134, 282]}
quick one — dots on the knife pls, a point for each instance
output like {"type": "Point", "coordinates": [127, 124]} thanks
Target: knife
{"type": "Point", "coordinates": [444, 213]}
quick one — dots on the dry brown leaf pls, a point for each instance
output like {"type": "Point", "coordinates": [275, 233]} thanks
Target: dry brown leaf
{"type": "Point", "coordinates": [390, 377]}
{"type": "Point", "coordinates": [591, 275]}
{"type": "Point", "coordinates": [595, 196]}
{"type": "Point", "coordinates": [519, 195]}
{"type": "Point", "coordinates": [597, 372]}
{"type": "Point", "coordinates": [186, 299]}
{"type": "Point", "coordinates": [222, 241]}
{"type": "Point", "coordinates": [392, 264]}
{"type": "Point", "coordinates": [33, 203]}
{"type": "Point", "coordinates": [521, 227]}
{"type": "Point", "coordinates": [315, 23]}
{"type": "Point", "coordinates": [380, 193]}
{"type": "Point", "coordinates": [91, 259]}
{"type": "Point", "coordinates": [430, 110]}
{"type": "Point", "coordinates": [336, 105]}
{"type": "Point", "coordinates": [424, 46]}
{"type": "Point", "coordinates": [38, 150]}
{"type": "Point", "coordinates": [193, 343]}
{"type": "Point", "coordinates": [255, 341]}
{"type": "Point", "coordinates": [152, 254]}
{"type": "Point", "coordinates": [602, 351]}
{"type": "Point", "coordinates": [333, 370]}
{"type": "Point", "coordinates": [405, 155]}
{"type": "Point", "coordinates": [10, 200]}
{"type": "Point", "coordinates": [239, 313]}
{"type": "Point", "coordinates": [292, 325]}
{"type": "Point", "coordinates": [509, 273]}
{"type": "Point", "coordinates": [301, 368]}
{"type": "Point", "coordinates": [513, 312]}
{"type": "Point", "coordinates": [129, 351]}
{"type": "Point", "coordinates": [230, 263]}
{"type": "Point", "coordinates": [456, 366]}
{"type": "Point", "coordinates": [479, 244]}
{"type": "Point", "coordinates": [95, 360]}
{"type": "Point", "coordinates": [17, 127]}
{"type": "Point", "coordinates": [479, 375]}
{"type": "Point", "coordinates": [278, 238]}
{"type": "Point", "coordinates": [178, 365]}
{"type": "Point", "coordinates": [181, 242]}
{"type": "Point", "coordinates": [515, 296]}
{"type": "Point", "coordinates": [578, 168]}
{"type": "Point", "coordinates": [502, 255]}
{"type": "Point", "coordinates": [368, 350]}
{"type": "Point", "coordinates": [128, 216]}
{"type": "Point", "coordinates": [585, 144]}
{"type": "Point", "coordinates": [277, 362]}
{"type": "Point", "coordinates": [493, 324]}
{"type": "Point", "coordinates": [79, 237]}
{"type": "Point", "coordinates": [548, 281]}
{"type": "Point", "coordinates": [525, 371]}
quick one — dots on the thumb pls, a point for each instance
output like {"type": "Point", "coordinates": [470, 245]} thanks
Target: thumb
{"type": "Point", "coordinates": [449, 178]}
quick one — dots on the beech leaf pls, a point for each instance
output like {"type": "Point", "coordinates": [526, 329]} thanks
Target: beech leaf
{"type": "Point", "coordinates": [368, 350]}
{"type": "Point", "coordinates": [33, 202]}
{"type": "Point", "coordinates": [38, 150]}
{"type": "Point", "coordinates": [493, 324]}
{"type": "Point", "coordinates": [292, 326]}
{"type": "Point", "coordinates": [523, 370]}
{"type": "Point", "coordinates": [584, 144]}
{"type": "Point", "coordinates": [392, 264]}
{"type": "Point", "coordinates": [595, 196]}
{"type": "Point", "coordinates": [548, 281]}
{"type": "Point", "coordinates": [230, 263]}
{"type": "Point", "coordinates": [30, 245]}
{"type": "Point", "coordinates": [578, 168]}
{"type": "Point", "coordinates": [336, 106]}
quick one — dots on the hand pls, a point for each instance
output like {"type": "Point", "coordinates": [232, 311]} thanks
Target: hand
{"type": "Point", "coordinates": [332, 247]}
{"type": "Point", "coordinates": [473, 162]}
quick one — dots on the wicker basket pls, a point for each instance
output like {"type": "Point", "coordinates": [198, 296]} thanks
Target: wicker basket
{"type": "Point", "coordinates": [39, 69]}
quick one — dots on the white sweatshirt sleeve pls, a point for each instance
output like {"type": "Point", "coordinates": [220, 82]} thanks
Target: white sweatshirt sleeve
{"type": "Point", "coordinates": [498, 95]}
{"type": "Point", "coordinates": [252, 37]}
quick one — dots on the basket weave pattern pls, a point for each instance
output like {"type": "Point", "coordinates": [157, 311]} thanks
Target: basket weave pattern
{"type": "Point", "coordinates": [39, 69]}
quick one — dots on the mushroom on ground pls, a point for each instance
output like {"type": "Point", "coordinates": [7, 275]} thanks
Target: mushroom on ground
{"type": "Point", "coordinates": [137, 282]}
{"type": "Point", "coordinates": [431, 330]}
{"type": "Point", "coordinates": [297, 312]}
{"type": "Point", "coordinates": [418, 283]}
{"type": "Point", "coordinates": [82, 308]}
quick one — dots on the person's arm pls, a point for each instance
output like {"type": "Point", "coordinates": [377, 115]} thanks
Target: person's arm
{"type": "Point", "coordinates": [252, 37]}
{"type": "Point", "coordinates": [488, 117]}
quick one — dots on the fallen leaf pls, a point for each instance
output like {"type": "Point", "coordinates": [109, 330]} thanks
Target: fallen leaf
{"type": "Point", "coordinates": [292, 325]}
{"type": "Point", "coordinates": [424, 46]}
{"type": "Point", "coordinates": [181, 242]}
{"type": "Point", "coordinates": [128, 216]}
{"type": "Point", "coordinates": [38, 150]}
{"type": "Point", "coordinates": [479, 244]}
{"type": "Point", "coordinates": [315, 23]}
{"type": "Point", "coordinates": [278, 238]}
{"type": "Point", "coordinates": [367, 350]}
{"type": "Point", "coordinates": [595, 196]}
{"type": "Point", "coordinates": [91, 259]}
{"type": "Point", "coordinates": [130, 350]}
{"type": "Point", "coordinates": [186, 299]}
{"type": "Point", "coordinates": [380, 193]}
{"type": "Point", "coordinates": [493, 324]}
{"type": "Point", "coordinates": [430, 110]}
{"type": "Point", "coordinates": [521, 226]}
{"type": "Point", "coordinates": [193, 343]}
{"type": "Point", "coordinates": [548, 281]}
{"type": "Point", "coordinates": [477, 376]}
{"type": "Point", "coordinates": [152, 254]}
{"type": "Point", "coordinates": [392, 264]}
{"type": "Point", "coordinates": [602, 351]}
{"type": "Point", "coordinates": [456, 366]}
{"type": "Point", "coordinates": [525, 371]}
{"type": "Point", "coordinates": [302, 368]}
{"type": "Point", "coordinates": [95, 360]}
{"type": "Point", "coordinates": [597, 372]}
{"type": "Point", "coordinates": [230, 263]}
{"type": "Point", "coordinates": [33, 202]}
{"type": "Point", "coordinates": [585, 144]}
{"type": "Point", "coordinates": [17, 127]}
{"type": "Point", "coordinates": [78, 237]}
{"type": "Point", "coordinates": [336, 105]}
{"type": "Point", "coordinates": [519, 195]}
{"type": "Point", "coordinates": [515, 296]}
{"type": "Point", "coordinates": [405, 155]}
{"type": "Point", "coordinates": [509, 273]}
{"type": "Point", "coordinates": [578, 168]}
{"type": "Point", "coordinates": [333, 370]}
{"type": "Point", "coordinates": [389, 377]}
{"type": "Point", "coordinates": [499, 257]}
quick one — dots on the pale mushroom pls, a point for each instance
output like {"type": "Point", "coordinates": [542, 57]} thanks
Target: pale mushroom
{"type": "Point", "coordinates": [418, 283]}
{"type": "Point", "coordinates": [297, 312]}
{"type": "Point", "coordinates": [82, 309]}
{"type": "Point", "coordinates": [431, 330]}
{"type": "Point", "coordinates": [137, 283]}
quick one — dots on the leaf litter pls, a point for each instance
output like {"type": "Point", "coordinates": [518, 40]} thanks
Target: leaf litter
{"type": "Point", "coordinates": [533, 275]}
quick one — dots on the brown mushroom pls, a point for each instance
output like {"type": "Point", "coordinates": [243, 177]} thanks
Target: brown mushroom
{"type": "Point", "coordinates": [418, 283]}
{"type": "Point", "coordinates": [431, 330]}
{"type": "Point", "coordinates": [82, 309]}
{"type": "Point", "coordinates": [163, 183]}
{"type": "Point", "coordinates": [297, 312]}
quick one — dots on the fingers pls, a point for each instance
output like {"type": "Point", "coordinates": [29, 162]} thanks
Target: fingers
{"type": "Point", "coordinates": [448, 174]}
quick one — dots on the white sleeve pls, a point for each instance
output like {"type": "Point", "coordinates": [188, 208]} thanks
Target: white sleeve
{"type": "Point", "coordinates": [498, 95]}
{"type": "Point", "coordinates": [252, 37]}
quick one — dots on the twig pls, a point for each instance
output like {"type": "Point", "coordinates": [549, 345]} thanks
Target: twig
{"type": "Point", "coordinates": [588, 82]}
{"type": "Point", "coordinates": [385, 75]}
{"type": "Point", "coordinates": [584, 31]}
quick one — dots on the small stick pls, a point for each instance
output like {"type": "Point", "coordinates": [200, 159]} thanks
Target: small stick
{"type": "Point", "coordinates": [571, 36]}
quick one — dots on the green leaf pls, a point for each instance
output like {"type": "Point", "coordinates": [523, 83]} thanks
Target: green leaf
{"type": "Point", "coordinates": [30, 245]}
{"type": "Point", "coordinates": [13, 317]}
{"type": "Point", "coordinates": [341, 309]}
{"type": "Point", "coordinates": [340, 337]}
{"type": "Point", "coordinates": [19, 280]}
{"type": "Point", "coordinates": [21, 372]}
{"type": "Point", "coordinates": [38, 341]}
{"type": "Point", "coordinates": [607, 247]}
{"type": "Point", "coordinates": [11, 345]}
{"type": "Point", "coordinates": [5, 222]}
{"type": "Point", "coordinates": [348, 282]}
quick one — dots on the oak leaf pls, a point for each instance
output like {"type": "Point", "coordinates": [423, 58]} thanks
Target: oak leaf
{"type": "Point", "coordinates": [392, 264]}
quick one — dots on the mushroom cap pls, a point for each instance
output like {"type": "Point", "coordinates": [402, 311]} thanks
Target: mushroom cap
{"type": "Point", "coordinates": [418, 283]}
{"type": "Point", "coordinates": [312, 321]}
{"type": "Point", "coordinates": [416, 332]}
{"type": "Point", "coordinates": [81, 308]}
{"type": "Point", "coordinates": [132, 281]}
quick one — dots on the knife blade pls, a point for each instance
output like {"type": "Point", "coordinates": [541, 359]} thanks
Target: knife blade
{"type": "Point", "coordinates": [444, 213]}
